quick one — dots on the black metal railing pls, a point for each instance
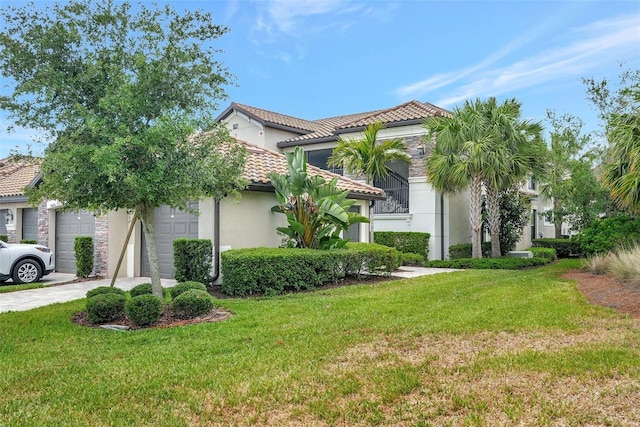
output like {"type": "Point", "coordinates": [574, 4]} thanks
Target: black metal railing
{"type": "Point", "coordinates": [396, 188]}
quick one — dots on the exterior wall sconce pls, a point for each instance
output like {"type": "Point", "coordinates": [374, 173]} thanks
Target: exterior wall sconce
{"type": "Point", "coordinates": [421, 150]}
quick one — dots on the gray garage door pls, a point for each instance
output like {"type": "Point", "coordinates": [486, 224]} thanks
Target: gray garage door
{"type": "Point", "coordinates": [3, 221]}
{"type": "Point", "coordinates": [30, 224]}
{"type": "Point", "coordinates": [68, 226]}
{"type": "Point", "coordinates": [170, 224]}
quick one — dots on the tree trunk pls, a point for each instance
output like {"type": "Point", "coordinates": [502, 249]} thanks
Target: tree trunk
{"type": "Point", "coordinates": [493, 213]}
{"type": "Point", "coordinates": [475, 216]}
{"type": "Point", "coordinates": [371, 205]}
{"type": "Point", "coordinates": [557, 223]}
{"type": "Point", "coordinates": [146, 217]}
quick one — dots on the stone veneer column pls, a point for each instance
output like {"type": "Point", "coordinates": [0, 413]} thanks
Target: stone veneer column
{"type": "Point", "coordinates": [101, 245]}
{"type": "Point", "coordinates": [11, 232]}
{"type": "Point", "coordinates": [43, 224]}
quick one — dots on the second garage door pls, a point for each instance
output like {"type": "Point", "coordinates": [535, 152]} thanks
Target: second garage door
{"type": "Point", "coordinates": [170, 224]}
{"type": "Point", "coordinates": [68, 226]}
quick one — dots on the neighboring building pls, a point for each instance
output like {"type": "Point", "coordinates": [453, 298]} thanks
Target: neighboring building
{"type": "Point", "coordinates": [410, 204]}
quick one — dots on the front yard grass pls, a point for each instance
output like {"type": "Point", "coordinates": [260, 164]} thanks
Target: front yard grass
{"type": "Point", "coordinates": [466, 348]}
{"type": "Point", "coordinates": [4, 288]}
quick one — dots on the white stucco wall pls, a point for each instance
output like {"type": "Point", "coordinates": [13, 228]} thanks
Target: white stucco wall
{"type": "Point", "coordinates": [252, 131]}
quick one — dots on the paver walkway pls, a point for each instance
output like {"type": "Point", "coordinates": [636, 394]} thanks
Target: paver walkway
{"type": "Point", "coordinates": [33, 298]}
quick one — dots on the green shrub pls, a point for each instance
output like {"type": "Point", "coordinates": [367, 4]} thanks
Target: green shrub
{"type": "Point", "coordinates": [83, 248]}
{"type": "Point", "coordinates": [141, 289]}
{"type": "Point", "coordinates": [105, 307]}
{"type": "Point", "coordinates": [192, 303]}
{"type": "Point", "coordinates": [413, 259]}
{"type": "Point", "coordinates": [104, 290]}
{"type": "Point", "coordinates": [4, 238]}
{"type": "Point", "coordinates": [143, 309]}
{"type": "Point", "coordinates": [465, 250]}
{"type": "Point", "coordinates": [267, 271]}
{"type": "Point", "coordinates": [29, 241]}
{"type": "Point", "coordinates": [604, 235]}
{"type": "Point", "coordinates": [186, 286]}
{"type": "Point", "coordinates": [503, 263]}
{"type": "Point", "coordinates": [565, 248]}
{"type": "Point", "coordinates": [405, 241]}
{"type": "Point", "coordinates": [548, 253]}
{"type": "Point", "coordinates": [192, 260]}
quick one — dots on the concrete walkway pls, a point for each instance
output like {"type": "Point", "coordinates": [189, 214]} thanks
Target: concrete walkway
{"type": "Point", "coordinates": [33, 298]}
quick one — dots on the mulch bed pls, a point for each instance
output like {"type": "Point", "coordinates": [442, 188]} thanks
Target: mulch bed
{"type": "Point", "coordinates": [606, 291]}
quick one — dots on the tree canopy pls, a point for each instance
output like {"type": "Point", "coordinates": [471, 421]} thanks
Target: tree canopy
{"type": "Point", "coordinates": [127, 94]}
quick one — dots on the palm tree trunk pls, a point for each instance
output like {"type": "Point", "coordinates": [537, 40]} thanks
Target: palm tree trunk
{"type": "Point", "coordinates": [475, 216]}
{"type": "Point", "coordinates": [146, 217]}
{"type": "Point", "coordinates": [493, 211]}
{"type": "Point", "coordinates": [557, 223]}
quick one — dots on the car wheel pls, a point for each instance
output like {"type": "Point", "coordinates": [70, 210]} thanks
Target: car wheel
{"type": "Point", "coordinates": [26, 271]}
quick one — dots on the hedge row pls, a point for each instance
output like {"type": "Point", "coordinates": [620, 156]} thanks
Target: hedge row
{"type": "Point", "coordinates": [4, 238]}
{"type": "Point", "coordinates": [465, 250]}
{"type": "Point", "coordinates": [408, 242]}
{"type": "Point", "coordinates": [503, 263]}
{"type": "Point", "coordinates": [607, 234]}
{"type": "Point", "coordinates": [192, 259]}
{"type": "Point", "coordinates": [565, 248]}
{"type": "Point", "coordinates": [267, 271]}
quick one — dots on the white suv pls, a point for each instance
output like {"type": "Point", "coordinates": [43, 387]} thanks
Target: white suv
{"type": "Point", "coordinates": [25, 263]}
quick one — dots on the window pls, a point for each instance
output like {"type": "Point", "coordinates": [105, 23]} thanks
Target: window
{"type": "Point", "coordinates": [531, 184]}
{"type": "Point", "coordinates": [320, 158]}
{"type": "Point", "coordinates": [548, 217]}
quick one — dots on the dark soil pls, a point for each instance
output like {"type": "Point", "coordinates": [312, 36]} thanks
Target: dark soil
{"type": "Point", "coordinates": [606, 291]}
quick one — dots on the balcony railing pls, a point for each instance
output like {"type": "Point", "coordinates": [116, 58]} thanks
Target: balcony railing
{"type": "Point", "coordinates": [396, 188]}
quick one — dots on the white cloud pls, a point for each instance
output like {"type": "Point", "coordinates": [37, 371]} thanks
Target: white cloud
{"type": "Point", "coordinates": [596, 44]}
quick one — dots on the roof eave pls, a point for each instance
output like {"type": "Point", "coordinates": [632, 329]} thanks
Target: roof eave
{"type": "Point", "coordinates": [268, 188]}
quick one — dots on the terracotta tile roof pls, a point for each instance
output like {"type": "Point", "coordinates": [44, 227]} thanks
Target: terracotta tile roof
{"type": "Point", "coordinates": [15, 176]}
{"type": "Point", "coordinates": [330, 128]}
{"type": "Point", "coordinates": [260, 162]}
{"type": "Point", "coordinates": [273, 118]}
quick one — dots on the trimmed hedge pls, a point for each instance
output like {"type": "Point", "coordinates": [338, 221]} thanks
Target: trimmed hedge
{"type": "Point", "coordinates": [413, 259]}
{"type": "Point", "coordinates": [104, 290]}
{"type": "Point", "coordinates": [465, 250]}
{"type": "Point", "coordinates": [193, 260]}
{"type": "Point", "coordinates": [503, 263]}
{"type": "Point", "coordinates": [268, 271]}
{"type": "Point", "coordinates": [605, 235]}
{"type": "Point", "coordinates": [4, 238]}
{"type": "Point", "coordinates": [29, 241]}
{"type": "Point", "coordinates": [404, 241]}
{"type": "Point", "coordinates": [143, 309]}
{"type": "Point", "coordinates": [548, 253]}
{"type": "Point", "coordinates": [83, 248]}
{"type": "Point", "coordinates": [565, 248]}
{"type": "Point", "coordinates": [180, 288]}
{"type": "Point", "coordinates": [192, 303]}
{"type": "Point", "coordinates": [141, 289]}
{"type": "Point", "coordinates": [105, 307]}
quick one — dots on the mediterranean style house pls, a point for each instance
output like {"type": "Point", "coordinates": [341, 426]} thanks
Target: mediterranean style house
{"type": "Point", "coordinates": [410, 203]}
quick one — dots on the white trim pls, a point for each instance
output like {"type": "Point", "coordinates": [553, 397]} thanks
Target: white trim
{"type": "Point", "coordinates": [547, 223]}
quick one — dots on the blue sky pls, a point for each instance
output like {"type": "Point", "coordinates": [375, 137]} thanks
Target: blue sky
{"type": "Point", "coordinates": [315, 59]}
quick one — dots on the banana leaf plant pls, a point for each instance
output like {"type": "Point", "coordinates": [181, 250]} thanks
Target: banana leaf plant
{"type": "Point", "coordinates": [317, 211]}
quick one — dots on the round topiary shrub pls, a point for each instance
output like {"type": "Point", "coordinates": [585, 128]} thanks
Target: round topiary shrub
{"type": "Point", "coordinates": [104, 290]}
{"type": "Point", "coordinates": [186, 286]}
{"type": "Point", "coordinates": [143, 309]}
{"type": "Point", "coordinates": [141, 289]}
{"type": "Point", "coordinates": [105, 307]}
{"type": "Point", "coordinates": [193, 303]}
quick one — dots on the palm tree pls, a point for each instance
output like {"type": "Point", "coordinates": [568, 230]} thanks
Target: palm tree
{"type": "Point", "coordinates": [621, 175]}
{"type": "Point", "coordinates": [482, 144]}
{"type": "Point", "coordinates": [516, 151]}
{"type": "Point", "coordinates": [369, 157]}
{"type": "Point", "coordinates": [458, 161]}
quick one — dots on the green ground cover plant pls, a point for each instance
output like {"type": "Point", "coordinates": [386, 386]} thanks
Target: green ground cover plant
{"type": "Point", "coordinates": [477, 347]}
{"type": "Point", "coordinates": [5, 288]}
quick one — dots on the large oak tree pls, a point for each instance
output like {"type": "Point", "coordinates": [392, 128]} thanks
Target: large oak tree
{"type": "Point", "coordinates": [125, 92]}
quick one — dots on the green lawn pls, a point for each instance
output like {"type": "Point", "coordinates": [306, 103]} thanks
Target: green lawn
{"type": "Point", "coordinates": [466, 348]}
{"type": "Point", "coordinates": [4, 288]}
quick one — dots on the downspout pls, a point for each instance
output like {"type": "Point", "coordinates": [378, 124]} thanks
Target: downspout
{"type": "Point", "coordinates": [216, 241]}
{"type": "Point", "coordinates": [441, 225]}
